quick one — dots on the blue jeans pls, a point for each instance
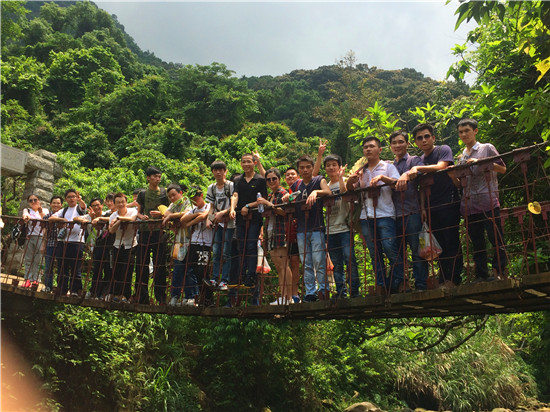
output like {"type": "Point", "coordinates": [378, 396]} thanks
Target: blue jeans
{"type": "Point", "coordinates": [248, 248]}
{"type": "Point", "coordinates": [380, 238]}
{"type": "Point", "coordinates": [217, 253]}
{"type": "Point", "coordinates": [413, 226]}
{"type": "Point", "coordinates": [312, 245]}
{"type": "Point", "coordinates": [342, 253]}
{"type": "Point", "coordinates": [191, 271]}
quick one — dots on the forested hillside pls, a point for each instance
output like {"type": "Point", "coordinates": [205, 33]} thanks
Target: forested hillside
{"type": "Point", "coordinates": [74, 83]}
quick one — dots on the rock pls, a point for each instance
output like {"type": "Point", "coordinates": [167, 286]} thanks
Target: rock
{"type": "Point", "coordinates": [501, 410]}
{"type": "Point", "coordinates": [363, 407]}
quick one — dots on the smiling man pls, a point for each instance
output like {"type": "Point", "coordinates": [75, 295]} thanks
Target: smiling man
{"type": "Point", "coordinates": [407, 208]}
{"type": "Point", "coordinates": [70, 244]}
{"type": "Point", "coordinates": [378, 219]}
{"type": "Point", "coordinates": [249, 222]}
{"type": "Point", "coordinates": [311, 229]}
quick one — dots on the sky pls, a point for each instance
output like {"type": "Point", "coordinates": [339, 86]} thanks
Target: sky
{"type": "Point", "coordinates": [274, 38]}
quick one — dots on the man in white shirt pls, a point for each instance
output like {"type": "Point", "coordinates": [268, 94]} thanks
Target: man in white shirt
{"type": "Point", "coordinates": [198, 255]}
{"type": "Point", "coordinates": [123, 248]}
{"type": "Point", "coordinates": [70, 244]}
{"type": "Point", "coordinates": [378, 214]}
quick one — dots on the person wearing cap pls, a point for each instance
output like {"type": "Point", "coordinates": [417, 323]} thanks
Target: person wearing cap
{"type": "Point", "coordinates": [151, 239]}
{"type": "Point", "coordinates": [179, 206]}
{"type": "Point", "coordinates": [198, 255]}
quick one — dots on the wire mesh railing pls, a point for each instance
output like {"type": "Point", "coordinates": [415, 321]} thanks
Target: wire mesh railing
{"type": "Point", "coordinates": [370, 255]}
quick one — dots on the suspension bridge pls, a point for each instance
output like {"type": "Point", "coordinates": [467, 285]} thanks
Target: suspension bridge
{"type": "Point", "coordinates": [523, 287]}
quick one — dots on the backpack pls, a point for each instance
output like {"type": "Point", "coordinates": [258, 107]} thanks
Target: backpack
{"type": "Point", "coordinates": [226, 190]}
{"type": "Point", "coordinates": [354, 215]}
{"type": "Point", "coordinates": [19, 234]}
{"type": "Point", "coordinates": [63, 232]}
{"type": "Point", "coordinates": [141, 198]}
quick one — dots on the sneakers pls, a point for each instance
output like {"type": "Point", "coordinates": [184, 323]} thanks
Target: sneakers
{"type": "Point", "coordinates": [74, 295]}
{"type": "Point", "coordinates": [27, 284]}
{"type": "Point", "coordinates": [35, 284]}
{"type": "Point", "coordinates": [310, 298]}
{"type": "Point", "coordinates": [108, 297]}
{"type": "Point", "coordinates": [173, 301]}
{"type": "Point", "coordinates": [278, 301]}
{"type": "Point", "coordinates": [124, 300]}
{"type": "Point", "coordinates": [211, 283]}
{"type": "Point", "coordinates": [88, 295]}
{"type": "Point", "coordinates": [222, 285]}
{"type": "Point", "coordinates": [189, 302]}
{"type": "Point", "coordinates": [116, 299]}
{"type": "Point", "coordinates": [47, 289]}
{"type": "Point", "coordinates": [296, 299]}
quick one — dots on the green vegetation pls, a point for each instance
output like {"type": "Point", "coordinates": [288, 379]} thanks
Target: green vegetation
{"type": "Point", "coordinates": [74, 83]}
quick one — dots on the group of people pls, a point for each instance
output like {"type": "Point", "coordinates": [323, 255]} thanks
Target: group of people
{"type": "Point", "coordinates": [217, 235]}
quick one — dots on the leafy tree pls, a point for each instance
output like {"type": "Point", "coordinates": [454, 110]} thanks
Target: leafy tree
{"type": "Point", "coordinates": [140, 101]}
{"type": "Point", "coordinates": [23, 79]}
{"type": "Point", "coordinates": [70, 71]}
{"type": "Point", "coordinates": [12, 16]}
{"type": "Point", "coordinates": [92, 142]}
{"type": "Point", "coordinates": [210, 101]}
{"type": "Point", "coordinates": [510, 53]}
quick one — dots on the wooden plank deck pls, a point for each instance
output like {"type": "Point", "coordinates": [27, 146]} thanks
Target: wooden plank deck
{"type": "Point", "coordinates": [529, 294]}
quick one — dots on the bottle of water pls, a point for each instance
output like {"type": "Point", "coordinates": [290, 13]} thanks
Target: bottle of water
{"type": "Point", "coordinates": [294, 195]}
{"type": "Point", "coordinates": [260, 206]}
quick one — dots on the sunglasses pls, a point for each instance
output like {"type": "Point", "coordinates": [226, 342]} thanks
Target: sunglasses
{"type": "Point", "coordinates": [272, 179]}
{"type": "Point", "coordinates": [424, 137]}
{"type": "Point", "coordinates": [33, 200]}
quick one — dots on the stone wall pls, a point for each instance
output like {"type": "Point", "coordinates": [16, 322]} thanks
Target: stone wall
{"type": "Point", "coordinates": [41, 171]}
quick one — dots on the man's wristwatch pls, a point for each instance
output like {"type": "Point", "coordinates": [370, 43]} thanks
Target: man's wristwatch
{"type": "Point", "coordinates": [247, 206]}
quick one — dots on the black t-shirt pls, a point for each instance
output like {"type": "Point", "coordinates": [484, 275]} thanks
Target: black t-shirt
{"type": "Point", "coordinates": [443, 192]}
{"type": "Point", "coordinates": [248, 192]}
{"type": "Point", "coordinates": [316, 220]}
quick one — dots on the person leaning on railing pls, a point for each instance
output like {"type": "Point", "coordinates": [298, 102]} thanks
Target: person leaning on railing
{"type": "Point", "coordinates": [480, 204]}
{"type": "Point", "coordinates": [275, 235]}
{"type": "Point", "coordinates": [33, 253]}
{"type": "Point", "coordinates": [443, 202]}
{"type": "Point", "coordinates": [56, 203]}
{"type": "Point", "coordinates": [70, 244]}
{"type": "Point", "coordinates": [378, 219]}
{"type": "Point", "coordinates": [123, 248]}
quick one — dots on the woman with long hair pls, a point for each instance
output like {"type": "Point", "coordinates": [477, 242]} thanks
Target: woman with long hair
{"type": "Point", "coordinates": [32, 215]}
{"type": "Point", "coordinates": [275, 235]}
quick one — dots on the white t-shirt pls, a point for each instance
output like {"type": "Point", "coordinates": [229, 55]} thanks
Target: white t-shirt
{"type": "Point", "coordinates": [201, 235]}
{"type": "Point", "coordinates": [75, 234]}
{"type": "Point", "coordinates": [219, 198]}
{"type": "Point", "coordinates": [34, 228]}
{"type": "Point", "coordinates": [126, 233]}
{"type": "Point", "coordinates": [385, 207]}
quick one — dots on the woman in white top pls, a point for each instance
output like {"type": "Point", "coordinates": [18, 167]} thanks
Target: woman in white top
{"type": "Point", "coordinates": [123, 248]}
{"type": "Point", "coordinates": [33, 254]}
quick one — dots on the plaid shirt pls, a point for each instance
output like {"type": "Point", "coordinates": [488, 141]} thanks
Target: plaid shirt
{"type": "Point", "coordinates": [52, 230]}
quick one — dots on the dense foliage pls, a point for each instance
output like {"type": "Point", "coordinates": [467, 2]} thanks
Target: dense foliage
{"type": "Point", "coordinates": [73, 82]}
